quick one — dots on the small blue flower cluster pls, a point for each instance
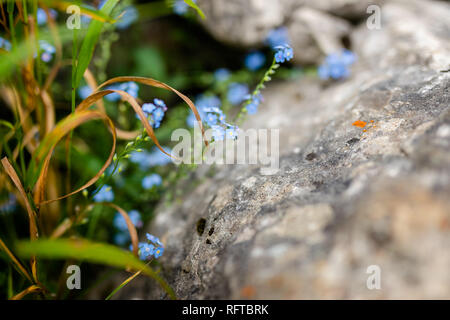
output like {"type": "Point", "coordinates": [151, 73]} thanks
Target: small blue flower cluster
{"type": "Point", "coordinates": [9, 205]}
{"type": "Point", "coordinates": [152, 180]}
{"type": "Point", "coordinates": [222, 74]}
{"type": "Point", "coordinates": [48, 50]}
{"type": "Point", "coordinates": [209, 110]}
{"type": "Point", "coordinates": [5, 44]}
{"type": "Point", "coordinates": [255, 60]}
{"type": "Point", "coordinates": [130, 87]}
{"type": "Point", "coordinates": [252, 106]}
{"type": "Point", "coordinates": [237, 93]}
{"type": "Point", "coordinates": [122, 237]}
{"type": "Point", "coordinates": [278, 37]}
{"type": "Point", "coordinates": [41, 16]}
{"type": "Point", "coordinates": [337, 65]}
{"type": "Point", "coordinates": [283, 53]}
{"type": "Point", "coordinates": [154, 111]}
{"type": "Point", "coordinates": [147, 160]}
{"type": "Point", "coordinates": [105, 194]}
{"type": "Point", "coordinates": [180, 7]}
{"type": "Point", "coordinates": [152, 248]}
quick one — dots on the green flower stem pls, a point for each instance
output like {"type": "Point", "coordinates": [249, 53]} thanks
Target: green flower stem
{"type": "Point", "coordinates": [266, 78]}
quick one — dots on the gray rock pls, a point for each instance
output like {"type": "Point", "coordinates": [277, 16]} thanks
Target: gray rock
{"type": "Point", "coordinates": [345, 198]}
{"type": "Point", "coordinates": [316, 27]}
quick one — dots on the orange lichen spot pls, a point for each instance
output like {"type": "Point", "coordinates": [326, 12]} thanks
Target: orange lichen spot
{"type": "Point", "coordinates": [248, 292]}
{"type": "Point", "coordinates": [364, 130]}
{"type": "Point", "coordinates": [371, 121]}
{"type": "Point", "coordinates": [359, 123]}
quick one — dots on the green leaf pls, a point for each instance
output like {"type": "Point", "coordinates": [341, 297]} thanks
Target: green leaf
{"type": "Point", "coordinates": [90, 41]}
{"type": "Point", "coordinates": [196, 7]}
{"type": "Point", "coordinates": [92, 252]}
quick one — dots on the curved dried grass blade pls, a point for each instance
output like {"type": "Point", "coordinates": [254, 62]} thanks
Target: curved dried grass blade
{"type": "Point", "coordinates": [15, 260]}
{"type": "Point", "coordinates": [31, 214]}
{"type": "Point", "coordinates": [30, 289]}
{"type": "Point", "coordinates": [41, 158]}
{"type": "Point", "coordinates": [130, 226]}
{"type": "Point", "coordinates": [134, 104]}
{"type": "Point", "coordinates": [92, 83]}
{"type": "Point", "coordinates": [162, 85]}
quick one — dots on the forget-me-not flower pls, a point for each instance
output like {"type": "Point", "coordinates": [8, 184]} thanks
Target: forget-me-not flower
{"type": "Point", "coordinates": [120, 223]}
{"type": "Point", "coordinates": [283, 53]}
{"type": "Point", "coordinates": [104, 195]}
{"type": "Point", "coordinates": [255, 60]}
{"type": "Point", "coordinates": [237, 92]}
{"type": "Point", "coordinates": [277, 37]}
{"type": "Point", "coordinates": [337, 65]}
{"type": "Point", "coordinates": [152, 180]}
{"type": "Point", "coordinates": [153, 247]}
{"type": "Point", "coordinates": [47, 50]}
{"type": "Point", "coordinates": [221, 74]}
{"type": "Point", "coordinates": [41, 16]}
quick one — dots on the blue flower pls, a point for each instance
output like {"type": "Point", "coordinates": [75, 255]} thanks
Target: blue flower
{"type": "Point", "coordinates": [255, 60]}
{"type": "Point", "coordinates": [131, 88]}
{"type": "Point", "coordinates": [205, 104]}
{"type": "Point", "coordinates": [152, 180]}
{"type": "Point", "coordinates": [158, 252]}
{"type": "Point", "coordinates": [156, 110]}
{"type": "Point", "coordinates": [180, 7]}
{"type": "Point", "coordinates": [277, 37]}
{"type": "Point", "coordinates": [104, 195]}
{"type": "Point", "coordinates": [9, 205]}
{"type": "Point", "coordinates": [120, 223]}
{"type": "Point", "coordinates": [160, 103]}
{"type": "Point", "coordinates": [146, 251]}
{"type": "Point", "coordinates": [336, 65]}
{"type": "Point", "coordinates": [158, 115]}
{"type": "Point", "coordinates": [218, 133]}
{"type": "Point", "coordinates": [147, 160]}
{"type": "Point", "coordinates": [221, 74]}
{"type": "Point", "coordinates": [211, 119]}
{"type": "Point", "coordinates": [48, 50]}
{"type": "Point", "coordinates": [148, 108]}
{"type": "Point", "coordinates": [84, 92]}
{"type": "Point", "coordinates": [207, 101]}
{"type": "Point", "coordinates": [236, 93]}
{"type": "Point", "coordinates": [153, 247]}
{"type": "Point", "coordinates": [121, 238]}
{"type": "Point", "coordinates": [283, 53]}
{"type": "Point", "coordinates": [41, 16]}
{"type": "Point", "coordinates": [231, 132]}
{"type": "Point", "coordinates": [5, 44]}
{"type": "Point", "coordinates": [253, 105]}
{"type": "Point", "coordinates": [129, 17]}
{"type": "Point", "coordinates": [154, 240]}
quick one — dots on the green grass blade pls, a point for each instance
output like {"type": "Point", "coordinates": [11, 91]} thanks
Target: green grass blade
{"type": "Point", "coordinates": [90, 41]}
{"type": "Point", "coordinates": [83, 250]}
{"type": "Point", "coordinates": [196, 7]}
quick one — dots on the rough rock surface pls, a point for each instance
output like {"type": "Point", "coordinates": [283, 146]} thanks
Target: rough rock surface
{"type": "Point", "coordinates": [316, 27]}
{"type": "Point", "coordinates": [344, 198]}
